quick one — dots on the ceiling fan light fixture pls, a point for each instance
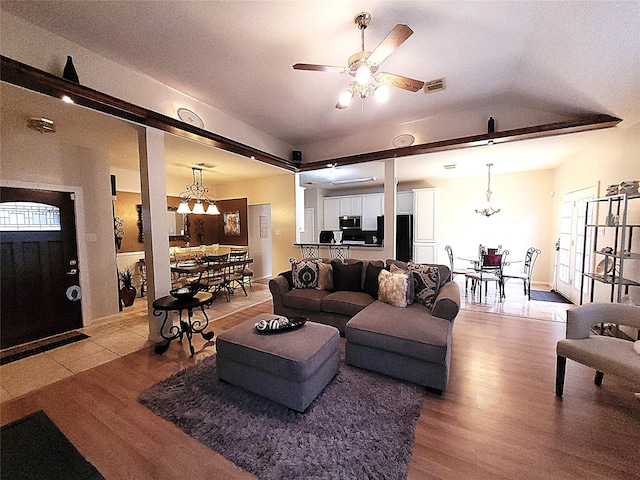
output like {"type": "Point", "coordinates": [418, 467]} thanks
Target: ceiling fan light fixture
{"type": "Point", "coordinates": [345, 98]}
{"type": "Point", "coordinates": [363, 74]}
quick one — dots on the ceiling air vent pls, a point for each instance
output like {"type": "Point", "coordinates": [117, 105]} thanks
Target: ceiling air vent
{"type": "Point", "coordinates": [434, 85]}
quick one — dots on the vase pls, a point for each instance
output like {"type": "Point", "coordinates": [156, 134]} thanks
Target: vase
{"type": "Point", "coordinates": [128, 295]}
{"type": "Point", "coordinates": [69, 72]}
{"type": "Point", "coordinates": [491, 126]}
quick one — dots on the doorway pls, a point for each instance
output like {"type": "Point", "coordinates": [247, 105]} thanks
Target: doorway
{"type": "Point", "coordinates": [572, 241]}
{"type": "Point", "coordinates": [260, 240]}
{"type": "Point", "coordinates": [39, 265]}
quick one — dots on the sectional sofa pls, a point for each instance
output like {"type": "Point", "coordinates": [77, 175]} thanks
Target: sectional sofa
{"type": "Point", "coordinates": [406, 339]}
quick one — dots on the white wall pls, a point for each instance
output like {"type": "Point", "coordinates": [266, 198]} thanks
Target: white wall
{"type": "Point", "coordinates": [612, 157]}
{"type": "Point", "coordinates": [39, 160]}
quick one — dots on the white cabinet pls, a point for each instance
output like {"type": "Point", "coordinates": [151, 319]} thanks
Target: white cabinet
{"type": "Point", "coordinates": [404, 203]}
{"type": "Point", "coordinates": [426, 219]}
{"type": "Point", "coordinates": [368, 207]}
{"type": "Point", "coordinates": [350, 205]}
{"type": "Point", "coordinates": [372, 208]}
{"type": "Point", "coordinates": [424, 253]}
{"type": "Point", "coordinates": [331, 213]}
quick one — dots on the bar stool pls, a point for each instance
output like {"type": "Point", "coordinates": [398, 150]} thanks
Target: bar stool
{"type": "Point", "coordinates": [339, 252]}
{"type": "Point", "coordinates": [310, 251]}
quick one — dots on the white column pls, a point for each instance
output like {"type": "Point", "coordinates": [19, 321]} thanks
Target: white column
{"type": "Point", "coordinates": [390, 192]}
{"type": "Point", "coordinates": [154, 214]}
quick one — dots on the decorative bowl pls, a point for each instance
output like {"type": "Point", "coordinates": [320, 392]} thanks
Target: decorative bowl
{"type": "Point", "coordinates": [184, 293]}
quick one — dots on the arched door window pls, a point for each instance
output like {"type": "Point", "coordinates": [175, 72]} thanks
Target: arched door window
{"type": "Point", "coordinates": [29, 216]}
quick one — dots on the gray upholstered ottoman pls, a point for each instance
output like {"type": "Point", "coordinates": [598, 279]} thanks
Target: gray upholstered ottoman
{"type": "Point", "coordinates": [291, 367]}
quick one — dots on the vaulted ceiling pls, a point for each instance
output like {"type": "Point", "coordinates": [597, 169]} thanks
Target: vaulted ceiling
{"type": "Point", "coordinates": [555, 59]}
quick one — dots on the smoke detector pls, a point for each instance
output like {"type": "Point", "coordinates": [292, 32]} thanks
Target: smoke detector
{"type": "Point", "coordinates": [42, 125]}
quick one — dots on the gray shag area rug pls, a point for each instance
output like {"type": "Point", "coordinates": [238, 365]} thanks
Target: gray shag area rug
{"type": "Point", "coordinates": [360, 427]}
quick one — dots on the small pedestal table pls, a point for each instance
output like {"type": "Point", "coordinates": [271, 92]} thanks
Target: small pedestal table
{"type": "Point", "coordinates": [189, 327]}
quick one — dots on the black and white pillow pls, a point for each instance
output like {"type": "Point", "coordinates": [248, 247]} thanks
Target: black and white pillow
{"type": "Point", "coordinates": [305, 273]}
{"type": "Point", "coordinates": [427, 283]}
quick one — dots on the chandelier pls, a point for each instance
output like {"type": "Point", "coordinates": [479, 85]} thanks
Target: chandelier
{"type": "Point", "coordinates": [488, 210]}
{"type": "Point", "coordinates": [198, 192]}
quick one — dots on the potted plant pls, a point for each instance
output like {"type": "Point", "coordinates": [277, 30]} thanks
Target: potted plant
{"type": "Point", "coordinates": [127, 290]}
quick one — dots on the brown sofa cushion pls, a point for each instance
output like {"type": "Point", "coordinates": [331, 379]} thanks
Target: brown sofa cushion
{"type": "Point", "coordinates": [347, 277]}
{"type": "Point", "coordinates": [304, 273]}
{"type": "Point", "coordinates": [410, 331]}
{"type": "Point", "coordinates": [346, 303]}
{"type": "Point", "coordinates": [304, 299]}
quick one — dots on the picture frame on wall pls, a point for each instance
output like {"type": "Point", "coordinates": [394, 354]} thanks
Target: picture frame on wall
{"type": "Point", "coordinates": [231, 223]}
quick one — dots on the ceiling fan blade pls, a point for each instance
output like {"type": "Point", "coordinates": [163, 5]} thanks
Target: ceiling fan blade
{"type": "Point", "coordinates": [399, 81]}
{"type": "Point", "coordinates": [396, 37]}
{"type": "Point", "coordinates": [318, 68]}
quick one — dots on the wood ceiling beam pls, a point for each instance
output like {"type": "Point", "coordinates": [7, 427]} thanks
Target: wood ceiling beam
{"type": "Point", "coordinates": [22, 75]}
{"type": "Point", "coordinates": [580, 124]}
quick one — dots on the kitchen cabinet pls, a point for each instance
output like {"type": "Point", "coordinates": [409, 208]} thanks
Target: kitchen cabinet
{"type": "Point", "coordinates": [404, 203]}
{"type": "Point", "coordinates": [426, 220]}
{"type": "Point", "coordinates": [331, 213]}
{"type": "Point", "coordinates": [368, 207]}
{"type": "Point", "coordinates": [372, 208]}
{"type": "Point", "coordinates": [350, 205]}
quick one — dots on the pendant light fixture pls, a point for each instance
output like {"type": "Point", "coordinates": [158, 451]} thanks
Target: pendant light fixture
{"type": "Point", "coordinates": [198, 192]}
{"type": "Point", "coordinates": [488, 210]}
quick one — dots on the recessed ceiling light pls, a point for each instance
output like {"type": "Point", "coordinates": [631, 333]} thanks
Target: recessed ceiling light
{"type": "Point", "coordinates": [403, 140]}
{"type": "Point", "coordinates": [190, 117]}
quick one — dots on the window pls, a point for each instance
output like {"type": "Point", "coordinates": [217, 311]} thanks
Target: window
{"type": "Point", "coordinates": [29, 216]}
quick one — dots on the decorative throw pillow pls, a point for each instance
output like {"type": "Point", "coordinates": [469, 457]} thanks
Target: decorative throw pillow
{"type": "Point", "coordinates": [304, 273]}
{"type": "Point", "coordinates": [392, 288]}
{"type": "Point", "coordinates": [347, 277]}
{"type": "Point", "coordinates": [411, 285]}
{"type": "Point", "coordinates": [371, 280]}
{"type": "Point", "coordinates": [325, 276]}
{"type": "Point", "coordinates": [427, 281]}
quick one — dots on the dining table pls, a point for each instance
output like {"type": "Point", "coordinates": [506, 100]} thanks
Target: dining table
{"type": "Point", "coordinates": [479, 267]}
{"type": "Point", "coordinates": [197, 268]}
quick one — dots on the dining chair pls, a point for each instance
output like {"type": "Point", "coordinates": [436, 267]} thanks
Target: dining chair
{"type": "Point", "coordinates": [235, 274]}
{"type": "Point", "coordinates": [489, 270]}
{"type": "Point", "coordinates": [247, 273]}
{"type": "Point", "coordinates": [215, 277]}
{"type": "Point", "coordinates": [457, 271]}
{"type": "Point", "coordinates": [527, 271]}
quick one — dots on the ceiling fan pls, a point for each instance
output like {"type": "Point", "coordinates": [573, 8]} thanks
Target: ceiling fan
{"type": "Point", "coordinates": [363, 66]}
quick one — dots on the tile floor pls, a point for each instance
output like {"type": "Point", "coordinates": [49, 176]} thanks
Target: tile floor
{"type": "Point", "coordinates": [124, 333]}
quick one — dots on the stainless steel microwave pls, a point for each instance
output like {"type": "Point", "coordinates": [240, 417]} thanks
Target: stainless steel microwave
{"type": "Point", "coordinates": [349, 223]}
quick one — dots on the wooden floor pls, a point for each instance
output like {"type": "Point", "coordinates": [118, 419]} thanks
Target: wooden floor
{"type": "Point", "coordinates": [499, 417]}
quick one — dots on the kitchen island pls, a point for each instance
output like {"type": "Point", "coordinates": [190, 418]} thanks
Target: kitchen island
{"type": "Point", "coordinates": [340, 250]}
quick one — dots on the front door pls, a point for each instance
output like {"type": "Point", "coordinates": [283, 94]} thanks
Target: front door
{"type": "Point", "coordinates": [572, 240]}
{"type": "Point", "coordinates": [39, 269]}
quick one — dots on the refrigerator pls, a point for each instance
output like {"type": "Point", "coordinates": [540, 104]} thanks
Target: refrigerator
{"type": "Point", "coordinates": [404, 238]}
